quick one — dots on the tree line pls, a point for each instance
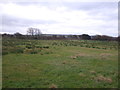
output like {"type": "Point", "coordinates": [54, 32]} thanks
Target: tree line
{"type": "Point", "coordinates": [34, 33]}
{"type": "Point", "coordinates": [61, 37]}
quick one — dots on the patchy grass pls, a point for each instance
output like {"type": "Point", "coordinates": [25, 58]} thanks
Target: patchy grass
{"type": "Point", "coordinates": [56, 67]}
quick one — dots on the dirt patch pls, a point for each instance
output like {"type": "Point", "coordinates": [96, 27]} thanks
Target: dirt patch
{"type": "Point", "coordinates": [102, 78]}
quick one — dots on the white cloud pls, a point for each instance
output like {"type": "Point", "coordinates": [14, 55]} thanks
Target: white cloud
{"type": "Point", "coordinates": [60, 0]}
{"type": "Point", "coordinates": [68, 21]}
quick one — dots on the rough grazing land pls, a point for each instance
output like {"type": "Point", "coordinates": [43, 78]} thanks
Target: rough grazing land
{"type": "Point", "coordinates": [59, 64]}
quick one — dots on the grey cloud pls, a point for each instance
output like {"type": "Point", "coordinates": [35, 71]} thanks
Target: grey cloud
{"type": "Point", "coordinates": [104, 9]}
{"type": "Point", "coordinates": [74, 5]}
{"type": "Point", "coordinates": [11, 24]}
{"type": "Point", "coordinates": [92, 5]}
{"type": "Point", "coordinates": [14, 21]}
{"type": "Point", "coordinates": [93, 8]}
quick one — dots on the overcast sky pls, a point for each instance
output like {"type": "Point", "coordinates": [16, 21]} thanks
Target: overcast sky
{"type": "Point", "coordinates": [60, 17]}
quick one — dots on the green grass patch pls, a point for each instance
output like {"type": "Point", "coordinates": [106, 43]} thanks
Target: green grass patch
{"type": "Point", "coordinates": [59, 64]}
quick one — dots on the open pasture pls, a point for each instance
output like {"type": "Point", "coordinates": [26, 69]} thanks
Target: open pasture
{"type": "Point", "coordinates": [59, 64]}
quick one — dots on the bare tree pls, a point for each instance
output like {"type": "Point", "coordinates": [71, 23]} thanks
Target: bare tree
{"type": "Point", "coordinates": [34, 31]}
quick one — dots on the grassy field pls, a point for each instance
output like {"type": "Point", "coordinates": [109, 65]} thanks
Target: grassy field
{"type": "Point", "coordinates": [59, 64]}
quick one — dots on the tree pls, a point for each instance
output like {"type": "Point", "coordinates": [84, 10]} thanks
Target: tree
{"type": "Point", "coordinates": [85, 37]}
{"type": "Point", "coordinates": [17, 34]}
{"type": "Point", "coordinates": [33, 31]}
{"type": "Point", "coordinates": [103, 38]}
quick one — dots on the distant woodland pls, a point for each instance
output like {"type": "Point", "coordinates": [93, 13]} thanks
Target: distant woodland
{"type": "Point", "coordinates": [61, 37]}
{"type": "Point", "coordinates": [34, 33]}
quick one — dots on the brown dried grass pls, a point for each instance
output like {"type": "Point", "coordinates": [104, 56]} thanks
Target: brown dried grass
{"type": "Point", "coordinates": [79, 55]}
{"type": "Point", "coordinates": [92, 72]}
{"type": "Point", "coordinates": [102, 78]}
{"type": "Point", "coordinates": [64, 62]}
{"type": "Point", "coordinates": [53, 86]}
{"type": "Point", "coordinates": [105, 54]}
{"type": "Point", "coordinates": [81, 74]}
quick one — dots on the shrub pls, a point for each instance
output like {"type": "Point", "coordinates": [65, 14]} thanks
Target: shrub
{"type": "Point", "coordinates": [48, 52]}
{"type": "Point", "coordinates": [4, 52]}
{"type": "Point", "coordinates": [19, 50]}
{"type": "Point", "coordinates": [27, 51]}
{"type": "Point", "coordinates": [81, 45]}
{"type": "Point", "coordinates": [98, 47]}
{"type": "Point", "coordinates": [37, 46]}
{"type": "Point", "coordinates": [28, 46]}
{"type": "Point", "coordinates": [34, 52]}
{"type": "Point", "coordinates": [54, 43]}
{"type": "Point", "coordinates": [104, 48]}
{"type": "Point", "coordinates": [45, 46]}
